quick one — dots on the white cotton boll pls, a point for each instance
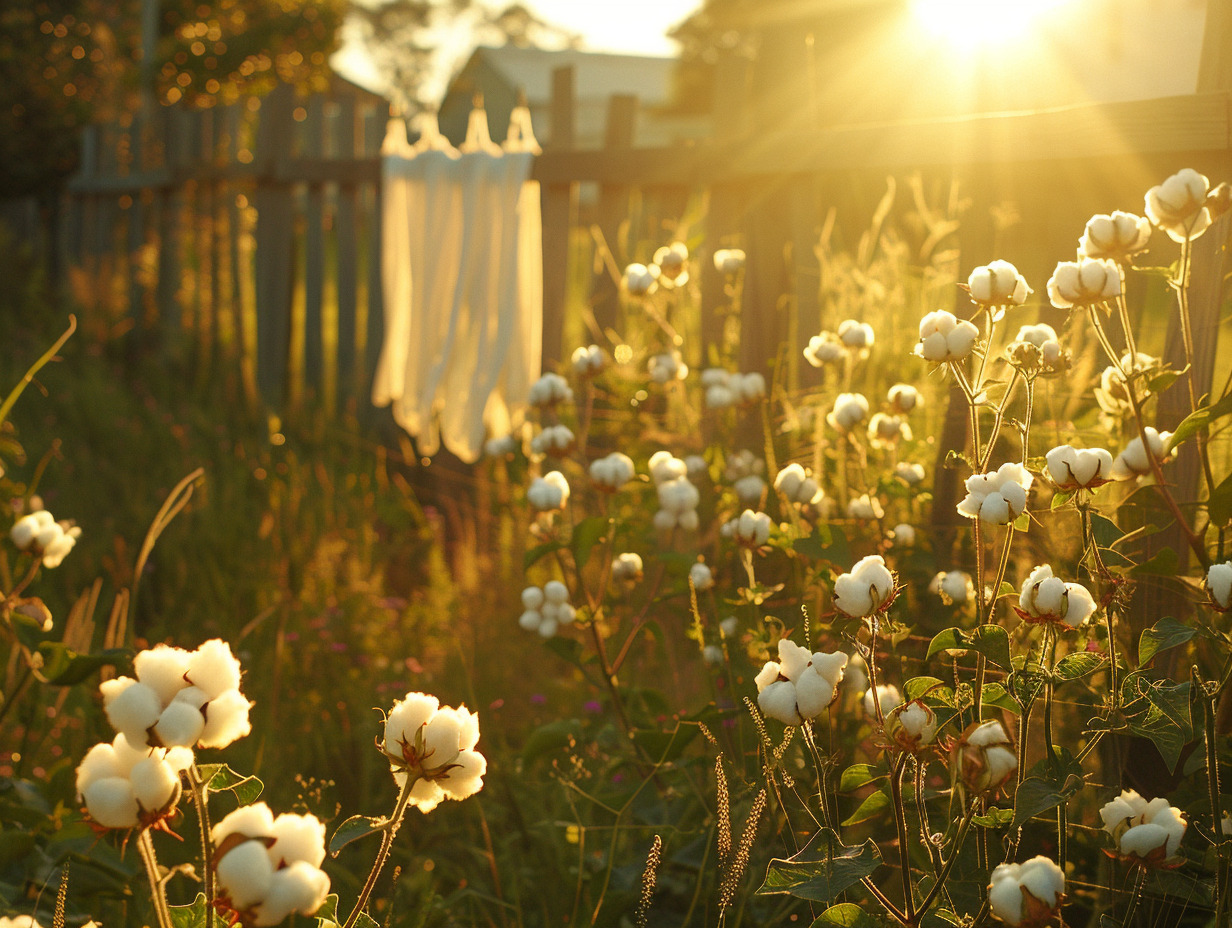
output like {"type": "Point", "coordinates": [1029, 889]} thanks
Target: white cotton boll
{"type": "Point", "coordinates": [814, 693]}
{"type": "Point", "coordinates": [865, 508]}
{"type": "Point", "coordinates": [155, 784]}
{"type": "Point", "coordinates": [55, 551]}
{"type": "Point", "coordinates": [1044, 880]}
{"type": "Point", "coordinates": [998, 497]}
{"type": "Point", "coordinates": [548, 492]}
{"type": "Point", "coordinates": [945, 337]}
{"type": "Point", "coordinates": [1141, 840]}
{"type": "Point", "coordinates": [865, 588]}
{"type": "Point", "coordinates": [850, 410]}
{"type": "Point", "coordinates": [179, 725]}
{"type": "Point", "coordinates": [297, 838]}
{"type": "Point", "coordinates": [903, 535]}
{"type": "Point", "coordinates": [1178, 205]}
{"type": "Point", "coordinates": [730, 625]}
{"type": "Point", "coordinates": [954, 587]}
{"type": "Point", "coordinates": [712, 654]}
{"type": "Point", "coordinates": [909, 473]}
{"type": "Point", "coordinates": [553, 440]}
{"type": "Point", "coordinates": [767, 675]}
{"type": "Point", "coordinates": [214, 668]}
{"type": "Point", "coordinates": [612, 471]}
{"type": "Point", "coordinates": [1083, 282]}
{"type": "Point", "coordinates": [678, 495]}
{"type": "Point", "coordinates": [441, 738]}
{"type": "Point", "coordinates": [468, 737]}
{"type": "Point", "coordinates": [729, 260]}
{"type": "Point", "coordinates": [1116, 236]}
{"type": "Point", "coordinates": [300, 887]}
{"type": "Point", "coordinates": [667, 367]}
{"type": "Point", "coordinates": [627, 567]}
{"type": "Point", "coordinates": [100, 763]}
{"type": "Point", "coordinates": [244, 874]}
{"type": "Point", "coordinates": [998, 284]}
{"type": "Point", "coordinates": [855, 334]}
{"type": "Point", "coordinates": [466, 778]}
{"type": "Point", "coordinates": [1072, 468]}
{"type": "Point", "coordinates": [790, 479]}
{"type": "Point", "coordinates": [252, 821]}
{"type": "Point", "coordinates": [111, 802]}
{"type": "Point", "coordinates": [532, 597]}
{"type": "Point", "coordinates": [500, 446]}
{"type": "Point", "coordinates": [793, 659]}
{"type": "Point", "coordinates": [751, 387]}
{"type": "Point", "coordinates": [640, 280]}
{"type": "Point", "coordinates": [1134, 462]}
{"type": "Point", "coordinates": [886, 431]}
{"type": "Point", "coordinates": [716, 377]}
{"type": "Point", "coordinates": [27, 528]}
{"type": "Point", "coordinates": [1005, 894]}
{"type": "Point", "coordinates": [688, 520]}
{"type": "Point", "coordinates": [406, 718]}
{"type": "Point", "coordinates": [549, 390]}
{"type": "Point", "coordinates": [547, 627]}
{"type": "Point", "coordinates": [917, 723]}
{"type": "Point", "coordinates": [226, 720]}
{"type": "Point", "coordinates": [701, 577]}
{"type": "Point", "coordinates": [903, 398]}
{"type": "Point", "coordinates": [664, 520]}
{"type": "Point", "coordinates": [887, 695]}
{"type": "Point", "coordinates": [193, 696]}
{"type": "Point", "coordinates": [823, 349]}
{"type": "Point", "coordinates": [749, 489]}
{"type": "Point", "coordinates": [556, 592]}
{"type": "Point", "coordinates": [1219, 585]}
{"type": "Point", "coordinates": [566, 614]}
{"type": "Point", "coordinates": [778, 701]}
{"type": "Point", "coordinates": [162, 668]}
{"type": "Point", "coordinates": [530, 619]}
{"type": "Point", "coordinates": [665, 467]}
{"type": "Point", "coordinates": [588, 360]}
{"type": "Point", "coordinates": [134, 710]}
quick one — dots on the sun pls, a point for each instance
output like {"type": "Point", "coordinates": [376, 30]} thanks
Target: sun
{"type": "Point", "coordinates": [974, 23]}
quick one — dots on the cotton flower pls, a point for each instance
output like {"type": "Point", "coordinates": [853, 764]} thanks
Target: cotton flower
{"type": "Point", "coordinates": [665, 466]}
{"type": "Point", "coordinates": [1027, 895]}
{"type": "Point", "coordinates": [955, 587]}
{"type": "Point", "coordinates": [435, 745]}
{"type": "Point", "coordinates": [667, 367]}
{"type": "Point", "coordinates": [672, 261]}
{"type": "Point", "coordinates": [549, 492]}
{"type": "Point", "coordinates": [611, 472]}
{"type": "Point", "coordinates": [1083, 282]}
{"type": "Point", "coordinates": [640, 280]}
{"type": "Point", "coordinates": [268, 867]}
{"type": "Point", "coordinates": [554, 440]}
{"type": "Point", "coordinates": [179, 698]}
{"type": "Point", "coordinates": [550, 390]}
{"type": "Point", "coordinates": [984, 757]}
{"type": "Point", "coordinates": [124, 785]}
{"type": "Point", "coordinates": [865, 508]}
{"type": "Point", "coordinates": [799, 685]}
{"type": "Point", "coordinates": [903, 535]}
{"type": "Point", "coordinates": [1178, 205]}
{"type": "Point", "coordinates": [909, 473]}
{"type": "Point", "coordinates": [998, 284]}
{"type": "Point", "coordinates": [1079, 468]}
{"type": "Point", "coordinates": [701, 577]}
{"type": "Point", "coordinates": [798, 486]}
{"type": "Point", "coordinates": [823, 349]}
{"type": "Point", "coordinates": [546, 609]}
{"type": "Point", "coordinates": [886, 431]}
{"type": "Point", "coordinates": [912, 726]}
{"type": "Point", "coordinates": [626, 568]}
{"type": "Point", "coordinates": [999, 497]}
{"type": "Point", "coordinates": [750, 529]}
{"type": "Point", "coordinates": [868, 588]}
{"type": "Point", "coordinates": [1219, 586]}
{"type": "Point", "coordinates": [850, 409]}
{"type": "Point", "coordinates": [43, 537]}
{"type": "Point", "coordinates": [1134, 462]}
{"type": "Point", "coordinates": [729, 260]}
{"type": "Point", "coordinates": [887, 697]}
{"type": "Point", "coordinates": [678, 501]}
{"type": "Point", "coordinates": [903, 398]}
{"type": "Point", "coordinates": [1046, 598]}
{"type": "Point", "coordinates": [588, 360]}
{"type": "Point", "coordinates": [858, 336]}
{"type": "Point", "coordinates": [1117, 236]}
{"type": "Point", "coordinates": [1143, 832]}
{"type": "Point", "coordinates": [945, 337]}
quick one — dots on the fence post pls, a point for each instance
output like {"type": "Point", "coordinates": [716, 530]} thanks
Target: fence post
{"type": "Point", "coordinates": [314, 250]}
{"type": "Point", "coordinates": [612, 211]}
{"type": "Point", "coordinates": [346, 275]}
{"type": "Point", "coordinates": [558, 205]}
{"type": "Point", "coordinates": [374, 315]}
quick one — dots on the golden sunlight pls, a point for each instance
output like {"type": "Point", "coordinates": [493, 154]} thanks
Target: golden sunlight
{"type": "Point", "coordinates": [976, 23]}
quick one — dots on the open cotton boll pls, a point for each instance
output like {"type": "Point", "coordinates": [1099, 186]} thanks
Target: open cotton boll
{"type": "Point", "coordinates": [406, 718]}
{"type": "Point", "coordinates": [244, 874]}
{"type": "Point", "coordinates": [155, 784]}
{"type": "Point", "coordinates": [954, 587]}
{"type": "Point", "coordinates": [132, 708]}
{"type": "Point", "coordinates": [298, 887]}
{"type": "Point", "coordinates": [549, 390]}
{"type": "Point", "coordinates": [640, 280]}
{"type": "Point", "coordinates": [856, 335]}
{"type": "Point", "coordinates": [1083, 282]}
{"type": "Point", "coordinates": [865, 589]}
{"type": "Point", "coordinates": [162, 668]}
{"type": "Point", "coordinates": [944, 337]}
{"type": "Point", "coordinates": [913, 725]}
{"type": "Point", "coordinates": [180, 724]}
{"type": "Point", "coordinates": [1219, 585]}
{"type": "Point", "coordinates": [1148, 832]}
{"type": "Point", "coordinates": [1079, 468]}
{"type": "Point", "coordinates": [1178, 205]}
{"type": "Point", "coordinates": [850, 410]}
{"type": "Point", "coordinates": [903, 398]}
{"type": "Point", "coordinates": [1134, 460]}
{"type": "Point", "coordinates": [865, 508]}
{"type": "Point", "coordinates": [701, 577]}
{"type": "Point", "coordinates": [823, 349]}
{"type": "Point", "coordinates": [26, 529]}
{"type": "Point", "coordinates": [445, 762]}
{"type": "Point", "coordinates": [664, 467]}
{"type": "Point", "coordinates": [589, 360]}
{"type": "Point", "coordinates": [886, 694]}
{"type": "Point", "coordinates": [1027, 894]}
{"type": "Point", "coordinates": [729, 260]}
{"type": "Point", "coordinates": [1045, 598]}
{"type": "Point", "coordinates": [611, 472]}
{"type": "Point", "coordinates": [627, 567]}
{"type": "Point", "coordinates": [112, 802]}
{"type": "Point", "coordinates": [668, 366]}
{"type": "Point", "coordinates": [984, 757]}
{"type": "Point", "coordinates": [1116, 236]}
{"type": "Point", "coordinates": [226, 720]}
{"type": "Point", "coordinates": [998, 497]}
{"type": "Point", "coordinates": [213, 668]}
{"type": "Point", "coordinates": [998, 284]}
{"type": "Point", "coordinates": [549, 492]}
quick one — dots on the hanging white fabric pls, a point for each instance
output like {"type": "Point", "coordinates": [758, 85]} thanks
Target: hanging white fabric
{"type": "Point", "coordinates": [462, 277]}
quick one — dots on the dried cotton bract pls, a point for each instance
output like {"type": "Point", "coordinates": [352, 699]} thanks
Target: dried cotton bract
{"type": "Point", "coordinates": [1178, 205]}
{"type": "Point", "coordinates": [799, 685]}
{"type": "Point", "coordinates": [179, 698]}
{"type": "Point", "coordinates": [945, 337]}
{"type": "Point", "coordinates": [126, 786]}
{"type": "Point", "coordinates": [1144, 832]}
{"type": "Point", "coordinates": [999, 497]}
{"type": "Point", "coordinates": [1027, 895]}
{"type": "Point", "coordinates": [270, 867]}
{"type": "Point", "coordinates": [1046, 598]}
{"type": "Point", "coordinates": [435, 745]}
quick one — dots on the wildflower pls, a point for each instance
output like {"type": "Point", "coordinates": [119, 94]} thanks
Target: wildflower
{"type": "Point", "coordinates": [858, 336]}
{"type": "Point", "coordinates": [1046, 598]}
{"type": "Point", "coordinates": [555, 440]}
{"type": "Point", "coordinates": [1117, 236]}
{"type": "Point", "coordinates": [626, 568]}
{"type": "Point", "coordinates": [664, 466]}
{"type": "Point", "coordinates": [667, 367]}
{"type": "Point", "coordinates": [799, 685]}
{"type": "Point", "coordinates": [868, 588]}
{"type": "Point", "coordinates": [588, 360]}
{"type": "Point", "coordinates": [270, 867]}
{"type": "Point", "coordinates": [729, 260]}
{"type": "Point", "coordinates": [1178, 205]}
{"type": "Point", "coordinates": [501, 446]}
{"type": "Point", "coordinates": [903, 535]}
{"type": "Point", "coordinates": [1134, 461]}
{"type": "Point", "coordinates": [127, 785]}
{"type": "Point", "coordinates": [823, 349]}
{"type": "Point", "coordinates": [1027, 895]}
{"type": "Point", "coordinates": [1219, 586]}
{"type": "Point", "coordinates": [850, 409]}
{"type": "Point", "coordinates": [436, 745]}
{"type": "Point", "coordinates": [546, 609]}
{"type": "Point", "coordinates": [678, 501]}
{"type": "Point", "coordinates": [550, 390]}
{"type": "Point", "coordinates": [1083, 282]}
{"type": "Point", "coordinates": [865, 508]}
{"type": "Point", "coordinates": [909, 472]}
{"type": "Point", "coordinates": [912, 726]}
{"type": "Point", "coordinates": [886, 695]}
{"type": "Point", "coordinates": [984, 758]}
{"type": "Point", "coordinates": [999, 497]}
{"type": "Point", "coordinates": [640, 280]}
{"type": "Point", "coordinates": [955, 587]}
{"type": "Point", "coordinates": [750, 529]}
{"type": "Point", "coordinates": [886, 431]}
{"type": "Point", "coordinates": [179, 698]}
{"type": "Point", "coordinates": [797, 485]}
{"type": "Point", "coordinates": [944, 337]}
{"type": "Point", "coordinates": [611, 472]}
{"type": "Point", "coordinates": [1144, 832]}
{"type": "Point", "coordinates": [998, 284]}
{"type": "Point", "coordinates": [1079, 468]}
{"type": "Point", "coordinates": [903, 398]}
{"type": "Point", "coordinates": [672, 261]}
{"type": "Point", "coordinates": [701, 577]}
{"type": "Point", "coordinates": [548, 492]}
{"type": "Point", "coordinates": [43, 537]}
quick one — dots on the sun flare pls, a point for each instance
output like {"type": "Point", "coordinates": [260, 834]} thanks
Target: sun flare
{"type": "Point", "coordinates": [979, 22]}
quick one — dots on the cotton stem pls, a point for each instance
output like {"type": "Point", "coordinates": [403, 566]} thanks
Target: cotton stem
{"type": "Point", "coordinates": [388, 832]}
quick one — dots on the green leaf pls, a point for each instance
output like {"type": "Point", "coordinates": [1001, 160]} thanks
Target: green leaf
{"type": "Point", "coordinates": [62, 666]}
{"type": "Point", "coordinates": [995, 694]}
{"type": "Point", "coordinates": [586, 534]}
{"type": "Point", "coordinates": [1219, 506]}
{"type": "Point", "coordinates": [190, 916]}
{"type": "Point", "coordinates": [539, 552]}
{"type": "Point", "coordinates": [931, 687]}
{"type": "Point", "coordinates": [1060, 498]}
{"type": "Point", "coordinates": [1077, 665]}
{"type": "Point", "coordinates": [827, 543]}
{"type": "Point", "coordinates": [845, 915]}
{"type": "Point", "coordinates": [568, 649]}
{"type": "Point", "coordinates": [993, 818]}
{"type": "Point", "coordinates": [1106, 532]}
{"type": "Point", "coordinates": [353, 829]}
{"type": "Point", "coordinates": [1201, 418]}
{"type": "Point", "coordinates": [219, 778]}
{"type": "Point", "coordinates": [1167, 721]}
{"type": "Point", "coordinates": [1163, 564]}
{"type": "Point", "coordinates": [551, 737]}
{"type": "Point", "coordinates": [820, 875]}
{"type": "Point", "coordinates": [1036, 795]}
{"type": "Point", "coordinates": [873, 804]}
{"type": "Point", "coordinates": [989, 640]}
{"type": "Point", "coordinates": [327, 914]}
{"type": "Point", "coordinates": [858, 775]}
{"type": "Point", "coordinates": [1164, 634]}
{"type": "Point", "coordinates": [1023, 522]}
{"type": "Point", "coordinates": [1163, 380]}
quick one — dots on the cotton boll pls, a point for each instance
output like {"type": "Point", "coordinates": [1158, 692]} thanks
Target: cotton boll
{"type": "Point", "coordinates": [865, 589]}
{"type": "Point", "coordinates": [299, 838]}
{"type": "Point", "coordinates": [856, 335]}
{"type": "Point", "coordinates": [1116, 236]}
{"type": "Point", "coordinates": [1073, 468]}
{"type": "Point", "coordinates": [162, 668]}
{"type": "Point", "coordinates": [530, 619]}
{"type": "Point", "coordinates": [823, 349]}
{"type": "Point", "coordinates": [155, 785]}
{"type": "Point", "coordinates": [729, 626]}
{"type": "Point", "coordinates": [778, 701]}
{"type": "Point", "coordinates": [252, 821]}
{"type": "Point", "coordinates": [998, 284]}
{"type": "Point", "coordinates": [244, 874]}
{"type": "Point", "coordinates": [133, 710]}
{"type": "Point", "coordinates": [111, 802]}
{"type": "Point", "coordinates": [944, 337]}
{"type": "Point", "coordinates": [466, 778]}
{"type": "Point", "coordinates": [1134, 460]}
{"type": "Point", "coordinates": [903, 535]}
{"type": "Point", "coordinates": [909, 473]}
{"type": "Point", "coordinates": [213, 668]}
{"type": "Point", "coordinates": [299, 887]}
{"type": "Point", "coordinates": [712, 654]}
{"type": "Point", "coordinates": [749, 489]}
{"type": "Point", "coordinates": [1178, 205]}
{"type": "Point", "coordinates": [793, 659]}
{"type": "Point", "coordinates": [406, 718]}
{"type": "Point", "coordinates": [850, 410]}
{"type": "Point", "coordinates": [1083, 282]}
{"type": "Point", "coordinates": [701, 577]}
{"type": "Point", "coordinates": [532, 597]}
{"type": "Point", "coordinates": [179, 725]}
{"type": "Point", "coordinates": [226, 720]}
{"type": "Point", "coordinates": [1219, 585]}
{"type": "Point", "coordinates": [887, 695]}
{"type": "Point", "coordinates": [729, 260]}
{"type": "Point", "coordinates": [555, 592]}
